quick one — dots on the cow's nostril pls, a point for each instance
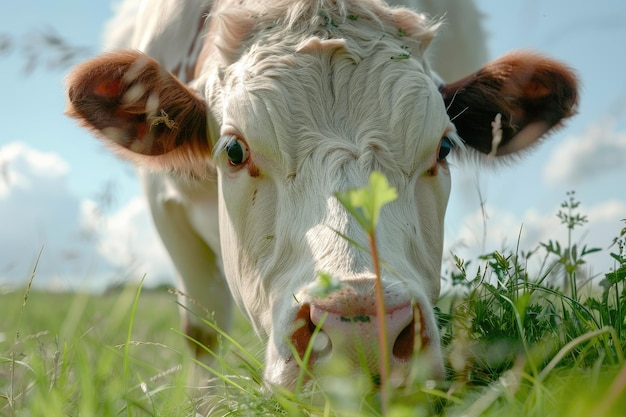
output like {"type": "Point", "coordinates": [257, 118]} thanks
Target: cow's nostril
{"type": "Point", "coordinates": [404, 344]}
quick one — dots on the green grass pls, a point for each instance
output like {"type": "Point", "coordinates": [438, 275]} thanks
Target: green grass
{"type": "Point", "coordinates": [65, 354]}
{"type": "Point", "coordinates": [515, 345]}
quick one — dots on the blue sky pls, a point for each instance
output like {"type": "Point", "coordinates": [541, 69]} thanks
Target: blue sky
{"type": "Point", "coordinates": [60, 189]}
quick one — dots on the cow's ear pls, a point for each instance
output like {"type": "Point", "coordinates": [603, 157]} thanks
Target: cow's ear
{"type": "Point", "coordinates": [532, 94]}
{"type": "Point", "coordinates": [143, 112]}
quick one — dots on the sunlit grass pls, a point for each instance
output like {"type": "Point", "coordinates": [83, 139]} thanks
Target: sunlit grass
{"type": "Point", "coordinates": [515, 344]}
{"type": "Point", "coordinates": [65, 354]}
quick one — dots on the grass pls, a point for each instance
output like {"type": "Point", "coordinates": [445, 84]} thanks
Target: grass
{"type": "Point", "coordinates": [516, 344]}
{"type": "Point", "coordinates": [67, 354]}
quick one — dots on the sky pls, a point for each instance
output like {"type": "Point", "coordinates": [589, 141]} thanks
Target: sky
{"type": "Point", "coordinates": [67, 202]}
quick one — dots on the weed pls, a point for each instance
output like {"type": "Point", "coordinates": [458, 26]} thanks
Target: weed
{"type": "Point", "coordinates": [504, 325]}
{"type": "Point", "coordinates": [569, 256]}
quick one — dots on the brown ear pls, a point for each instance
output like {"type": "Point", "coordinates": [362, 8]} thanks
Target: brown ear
{"type": "Point", "coordinates": [143, 112]}
{"type": "Point", "coordinates": [532, 94]}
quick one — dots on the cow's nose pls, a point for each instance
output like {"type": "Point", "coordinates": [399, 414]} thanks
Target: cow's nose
{"type": "Point", "coordinates": [349, 330]}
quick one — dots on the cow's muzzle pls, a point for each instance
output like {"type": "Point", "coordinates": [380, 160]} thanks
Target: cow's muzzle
{"type": "Point", "coordinates": [343, 327]}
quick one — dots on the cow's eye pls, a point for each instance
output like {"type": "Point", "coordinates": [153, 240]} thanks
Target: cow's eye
{"type": "Point", "coordinates": [444, 148]}
{"type": "Point", "coordinates": [237, 152]}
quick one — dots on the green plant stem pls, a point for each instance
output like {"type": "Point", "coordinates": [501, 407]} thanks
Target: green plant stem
{"type": "Point", "coordinates": [129, 333]}
{"type": "Point", "coordinates": [618, 326]}
{"type": "Point", "coordinates": [382, 325]}
{"type": "Point", "coordinates": [11, 396]}
{"type": "Point", "coordinates": [522, 333]}
{"type": "Point", "coordinates": [571, 264]}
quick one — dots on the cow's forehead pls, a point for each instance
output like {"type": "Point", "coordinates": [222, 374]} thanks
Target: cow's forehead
{"type": "Point", "coordinates": [327, 95]}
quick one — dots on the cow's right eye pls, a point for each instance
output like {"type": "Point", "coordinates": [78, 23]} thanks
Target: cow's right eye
{"type": "Point", "coordinates": [237, 152]}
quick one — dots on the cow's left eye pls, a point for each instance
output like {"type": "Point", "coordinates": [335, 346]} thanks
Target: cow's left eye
{"type": "Point", "coordinates": [444, 148]}
{"type": "Point", "coordinates": [237, 152]}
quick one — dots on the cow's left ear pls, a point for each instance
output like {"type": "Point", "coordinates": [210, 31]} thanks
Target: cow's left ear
{"type": "Point", "coordinates": [532, 94]}
{"type": "Point", "coordinates": [140, 111]}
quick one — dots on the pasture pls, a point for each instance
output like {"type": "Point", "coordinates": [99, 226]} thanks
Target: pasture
{"type": "Point", "coordinates": [515, 344]}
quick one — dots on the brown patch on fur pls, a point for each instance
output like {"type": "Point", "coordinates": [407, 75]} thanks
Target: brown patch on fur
{"type": "Point", "coordinates": [534, 94]}
{"type": "Point", "coordinates": [108, 88]}
{"type": "Point", "coordinates": [127, 99]}
{"type": "Point", "coordinates": [253, 170]}
{"type": "Point", "coordinates": [254, 193]}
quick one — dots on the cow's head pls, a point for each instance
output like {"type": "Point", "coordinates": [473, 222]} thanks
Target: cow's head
{"type": "Point", "coordinates": [293, 104]}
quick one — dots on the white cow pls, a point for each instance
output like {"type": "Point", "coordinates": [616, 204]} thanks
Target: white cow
{"type": "Point", "coordinates": [282, 104]}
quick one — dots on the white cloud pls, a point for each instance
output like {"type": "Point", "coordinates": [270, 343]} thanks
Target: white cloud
{"type": "Point", "coordinates": [600, 150]}
{"type": "Point", "coordinates": [609, 210]}
{"type": "Point", "coordinates": [129, 238]}
{"type": "Point", "coordinates": [16, 159]}
{"type": "Point", "coordinates": [81, 247]}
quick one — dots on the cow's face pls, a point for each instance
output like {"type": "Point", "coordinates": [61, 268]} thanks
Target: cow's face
{"type": "Point", "coordinates": [293, 118]}
{"type": "Point", "coordinates": [297, 128]}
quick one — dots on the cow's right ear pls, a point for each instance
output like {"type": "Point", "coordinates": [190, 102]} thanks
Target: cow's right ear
{"type": "Point", "coordinates": [141, 111]}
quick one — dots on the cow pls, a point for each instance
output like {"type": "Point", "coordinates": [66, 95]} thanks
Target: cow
{"type": "Point", "coordinates": [247, 117]}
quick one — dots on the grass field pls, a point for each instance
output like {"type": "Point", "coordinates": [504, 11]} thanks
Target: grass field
{"type": "Point", "coordinates": [65, 354]}
{"type": "Point", "coordinates": [515, 345]}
